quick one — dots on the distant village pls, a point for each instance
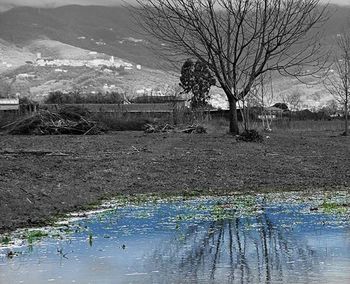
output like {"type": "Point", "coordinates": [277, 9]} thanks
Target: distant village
{"type": "Point", "coordinates": [92, 63]}
{"type": "Point", "coordinates": [106, 65]}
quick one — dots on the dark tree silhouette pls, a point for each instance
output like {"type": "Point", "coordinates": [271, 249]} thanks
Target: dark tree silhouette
{"type": "Point", "coordinates": [197, 79]}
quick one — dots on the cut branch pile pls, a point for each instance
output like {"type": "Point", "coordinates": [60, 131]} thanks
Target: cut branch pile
{"type": "Point", "coordinates": [195, 128]}
{"type": "Point", "coordinates": [158, 128]}
{"type": "Point", "coordinates": [165, 128]}
{"type": "Point", "coordinates": [66, 121]}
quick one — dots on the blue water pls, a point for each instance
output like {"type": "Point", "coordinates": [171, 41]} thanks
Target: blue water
{"type": "Point", "coordinates": [211, 240]}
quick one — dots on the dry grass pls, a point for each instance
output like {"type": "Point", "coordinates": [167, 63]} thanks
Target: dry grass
{"type": "Point", "coordinates": [314, 125]}
{"type": "Point", "coordinates": [221, 126]}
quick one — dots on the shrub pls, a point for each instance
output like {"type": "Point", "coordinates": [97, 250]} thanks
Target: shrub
{"type": "Point", "coordinates": [251, 136]}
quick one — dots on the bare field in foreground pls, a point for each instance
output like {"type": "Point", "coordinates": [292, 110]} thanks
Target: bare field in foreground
{"type": "Point", "coordinates": [41, 176]}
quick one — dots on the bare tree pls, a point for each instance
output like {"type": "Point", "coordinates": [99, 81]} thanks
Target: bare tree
{"type": "Point", "coordinates": [332, 107]}
{"type": "Point", "coordinates": [240, 40]}
{"type": "Point", "coordinates": [338, 80]}
{"type": "Point", "coordinates": [266, 98]}
{"type": "Point", "coordinates": [293, 99]}
{"type": "Point", "coordinates": [260, 96]}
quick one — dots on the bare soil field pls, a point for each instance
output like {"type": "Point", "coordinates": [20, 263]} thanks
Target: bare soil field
{"type": "Point", "coordinates": [43, 176]}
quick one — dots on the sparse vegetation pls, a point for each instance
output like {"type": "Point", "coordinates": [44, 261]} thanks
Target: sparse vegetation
{"type": "Point", "coordinates": [334, 208]}
{"type": "Point", "coordinates": [35, 235]}
{"type": "Point", "coordinates": [5, 240]}
{"type": "Point", "coordinates": [90, 239]}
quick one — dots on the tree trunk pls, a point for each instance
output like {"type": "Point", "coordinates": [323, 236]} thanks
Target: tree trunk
{"type": "Point", "coordinates": [346, 119]}
{"type": "Point", "coordinates": [234, 129]}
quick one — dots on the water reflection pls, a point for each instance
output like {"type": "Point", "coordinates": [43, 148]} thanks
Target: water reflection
{"type": "Point", "coordinates": [245, 250]}
{"type": "Point", "coordinates": [199, 241]}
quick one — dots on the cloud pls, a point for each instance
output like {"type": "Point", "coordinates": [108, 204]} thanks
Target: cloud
{"type": "Point", "coordinates": [7, 4]}
{"type": "Point", "coordinates": [343, 2]}
{"type": "Point", "coordinates": [55, 3]}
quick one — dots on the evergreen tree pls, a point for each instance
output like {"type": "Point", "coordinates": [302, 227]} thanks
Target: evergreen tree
{"type": "Point", "coordinates": [197, 79]}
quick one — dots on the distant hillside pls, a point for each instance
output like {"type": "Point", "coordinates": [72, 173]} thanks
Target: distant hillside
{"type": "Point", "coordinates": [21, 73]}
{"type": "Point", "coordinates": [107, 30]}
{"type": "Point", "coordinates": [12, 56]}
{"type": "Point", "coordinates": [36, 82]}
{"type": "Point", "coordinates": [73, 32]}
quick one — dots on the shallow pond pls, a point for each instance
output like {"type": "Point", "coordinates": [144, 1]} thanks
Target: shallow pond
{"type": "Point", "coordinates": [238, 239]}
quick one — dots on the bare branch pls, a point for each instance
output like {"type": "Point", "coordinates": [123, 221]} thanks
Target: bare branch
{"type": "Point", "coordinates": [337, 81]}
{"type": "Point", "coordinates": [240, 40]}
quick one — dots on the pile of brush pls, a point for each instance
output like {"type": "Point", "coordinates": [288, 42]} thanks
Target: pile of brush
{"type": "Point", "coordinates": [158, 128]}
{"type": "Point", "coordinates": [68, 120]}
{"type": "Point", "coordinates": [161, 128]}
{"type": "Point", "coordinates": [194, 128]}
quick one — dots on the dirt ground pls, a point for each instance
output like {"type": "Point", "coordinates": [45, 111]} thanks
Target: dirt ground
{"type": "Point", "coordinates": [42, 176]}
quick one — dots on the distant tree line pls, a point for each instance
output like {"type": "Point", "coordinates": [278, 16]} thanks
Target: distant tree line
{"type": "Point", "coordinates": [144, 99]}
{"type": "Point", "coordinates": [75, 97]}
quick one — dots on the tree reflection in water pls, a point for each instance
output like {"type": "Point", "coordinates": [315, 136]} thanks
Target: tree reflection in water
{"type": "Point", "coordinates": [253, 239]}
{"type": "Point", "coordinates": [246, 249]}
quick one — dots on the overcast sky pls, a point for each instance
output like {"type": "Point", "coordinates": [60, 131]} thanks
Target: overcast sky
{"type": "Point", "coordinates": [55, 3]}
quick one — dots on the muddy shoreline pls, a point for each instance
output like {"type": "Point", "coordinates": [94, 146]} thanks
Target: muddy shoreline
{"type": "Point", "coordinates": [44, 176]}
